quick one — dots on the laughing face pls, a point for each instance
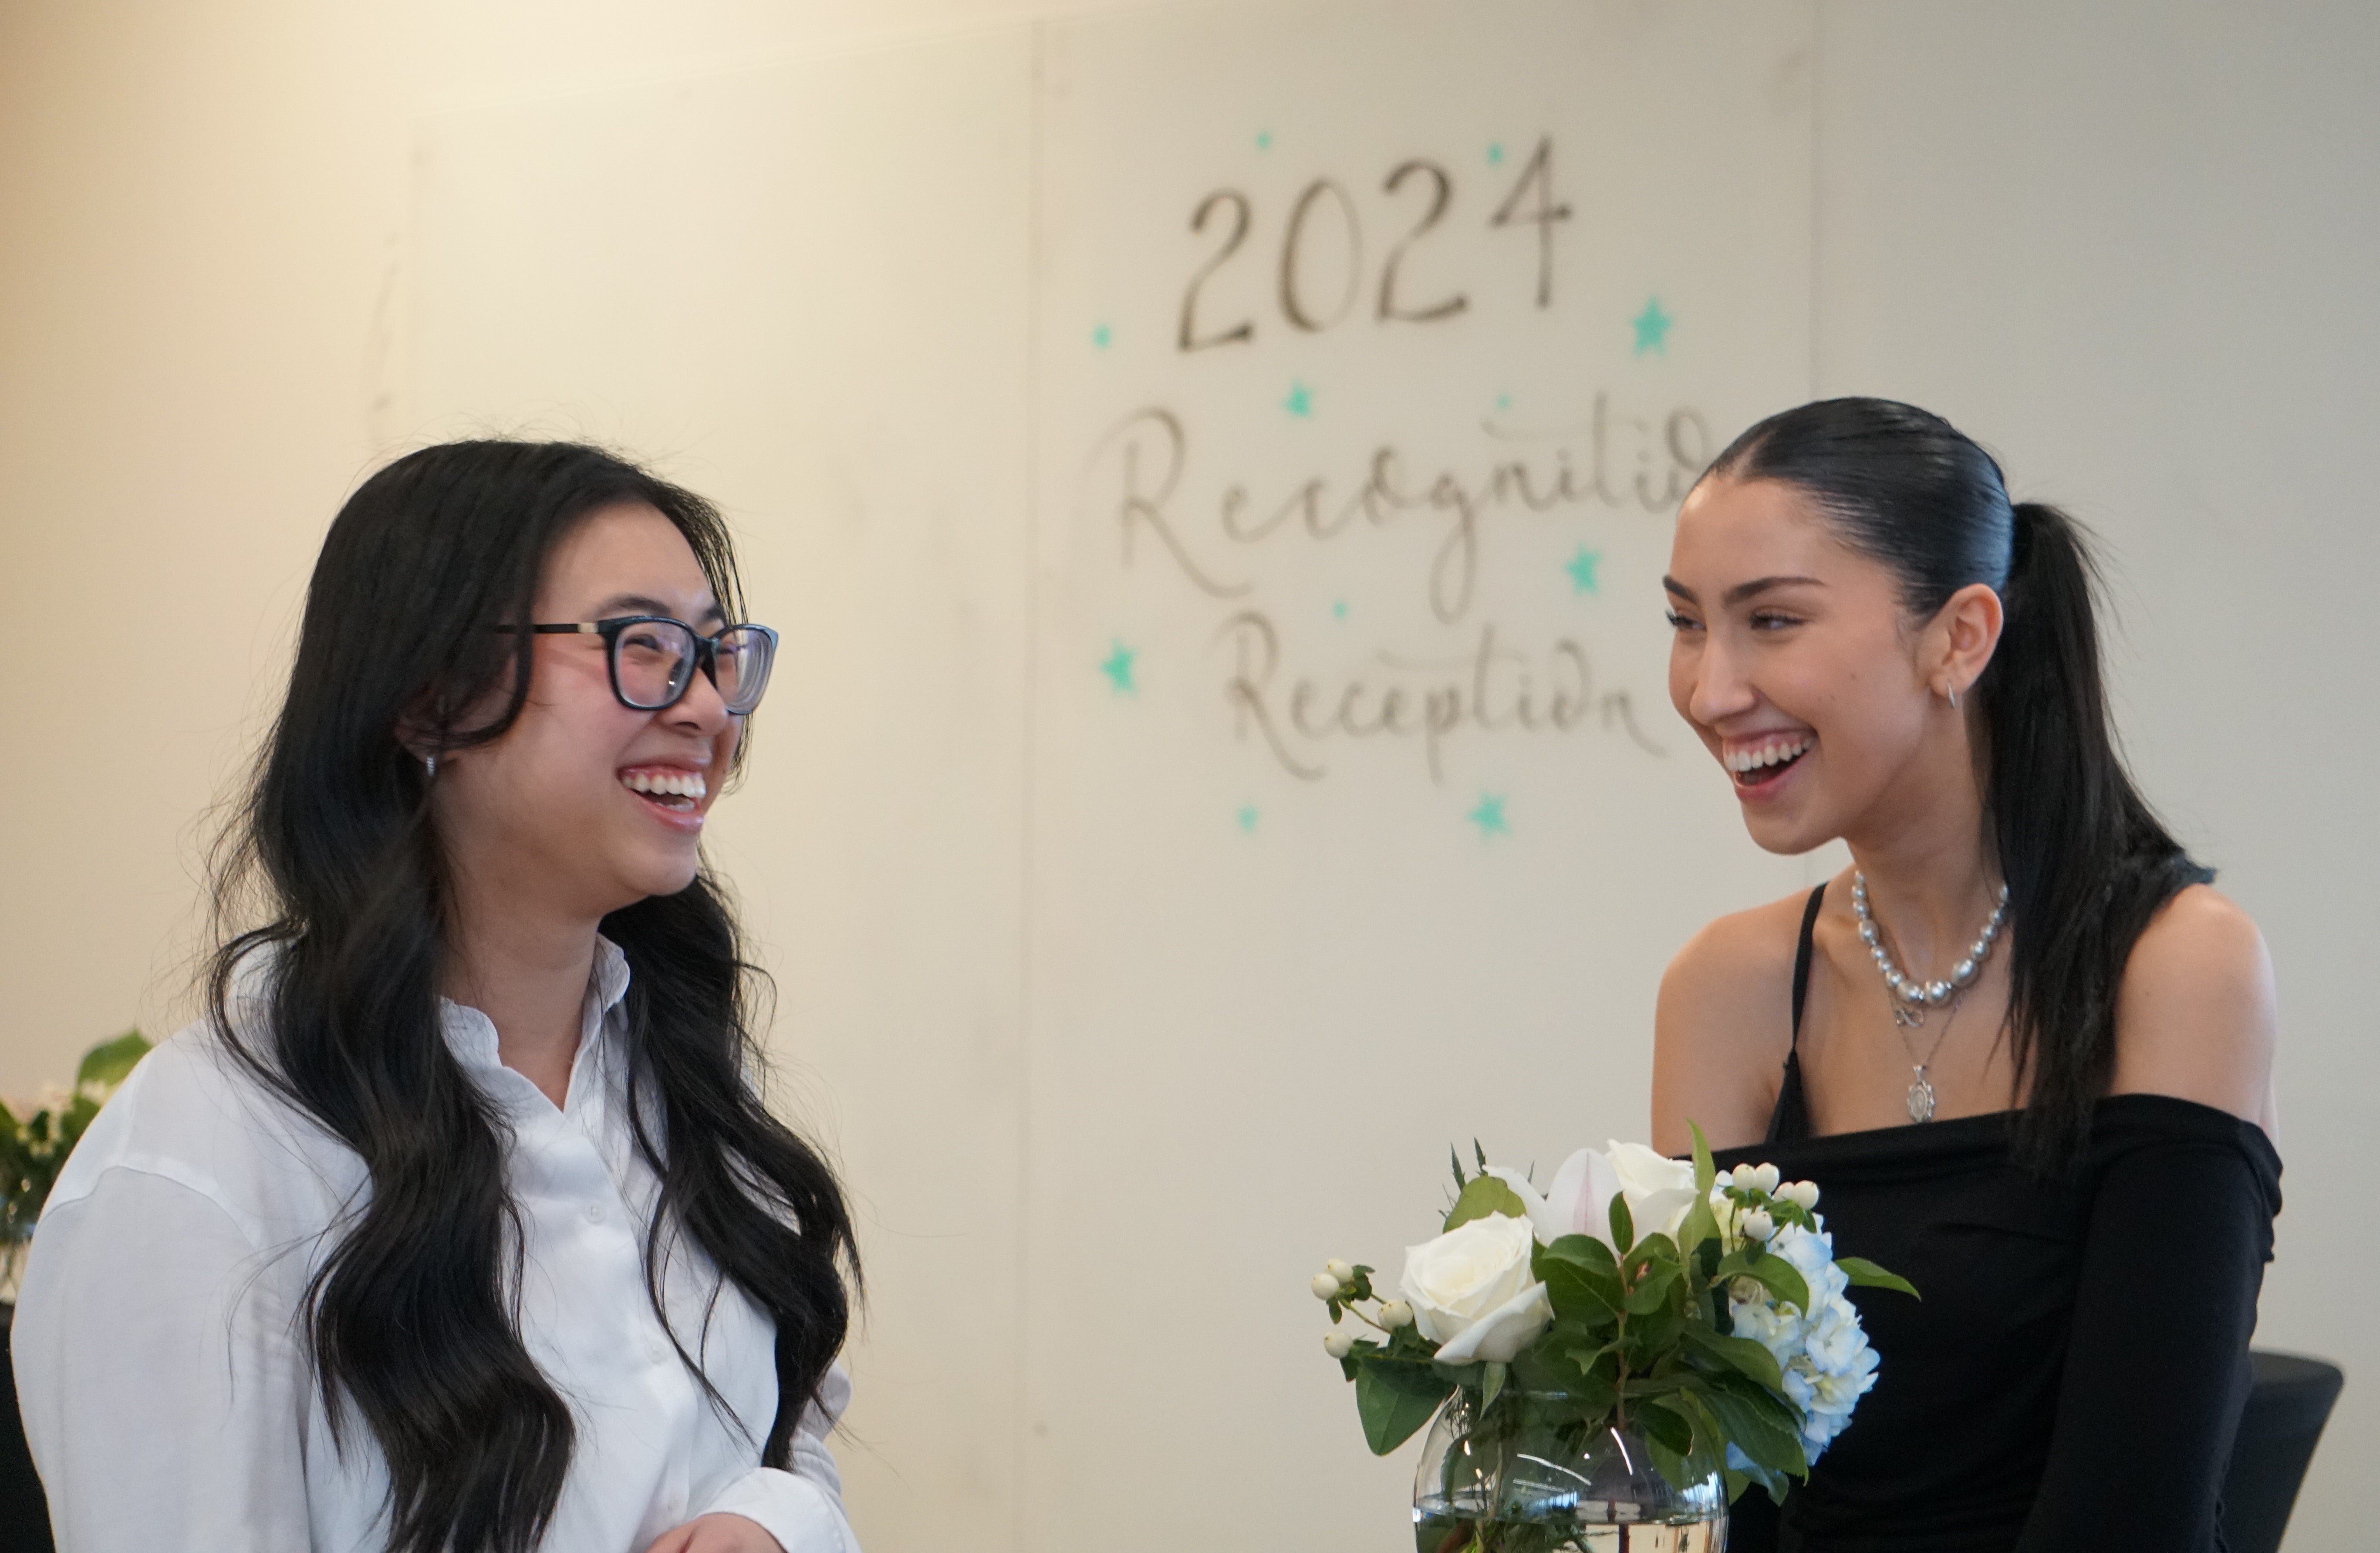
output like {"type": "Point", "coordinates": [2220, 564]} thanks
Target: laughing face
{"type": "Point", "coordinates": [584, 803]}
{"type": "Point", "coordinates": [1795, 661]}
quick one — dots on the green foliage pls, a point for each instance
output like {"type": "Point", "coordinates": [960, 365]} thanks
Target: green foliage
{"type": "Point", "coordinates": [1483, 1197]}
{"type": "Point", "coordinates": [1395, 1398]}
{"type": "Point", "coordinates": [1865, 1274]}
{"type": "Point", "coordinates": [34, 1146]}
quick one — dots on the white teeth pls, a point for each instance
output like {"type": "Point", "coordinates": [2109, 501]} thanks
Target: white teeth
{"type": "Point", "coordinates": [1766, 755]}
{"type": "Point", "coordinates": [667, 784]}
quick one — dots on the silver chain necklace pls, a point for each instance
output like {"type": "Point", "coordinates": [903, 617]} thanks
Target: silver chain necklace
{"type": "Point", "coordinates": [1911, 999]}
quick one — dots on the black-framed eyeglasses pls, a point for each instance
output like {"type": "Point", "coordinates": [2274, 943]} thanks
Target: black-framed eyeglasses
{"type": "Point", "coordinates": [653, 659]}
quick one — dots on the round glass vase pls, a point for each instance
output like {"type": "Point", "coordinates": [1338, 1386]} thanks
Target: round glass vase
{"type": "Point", "coordinates": [1528, 1474]}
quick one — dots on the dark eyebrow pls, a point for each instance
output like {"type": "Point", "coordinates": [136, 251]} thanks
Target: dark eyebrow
{"type": "Point", "coordinates": [1741, 590]}
{"type": "Point", "coordinates": [638, 603]}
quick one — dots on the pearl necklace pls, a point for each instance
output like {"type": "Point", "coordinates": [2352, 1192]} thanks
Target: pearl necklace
{"type": "Point", "coordinates": [1911, 998]}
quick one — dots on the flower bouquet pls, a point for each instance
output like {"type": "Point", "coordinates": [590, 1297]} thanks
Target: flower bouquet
{"type": "Point", "coordinates": [1631, 1348]}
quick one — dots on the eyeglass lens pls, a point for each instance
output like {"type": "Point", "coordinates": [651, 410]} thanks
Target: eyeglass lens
{"type": "Point", "coordinates": [654, 659]}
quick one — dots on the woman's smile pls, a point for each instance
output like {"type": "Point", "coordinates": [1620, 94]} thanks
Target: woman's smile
{"type": "Point", "coordinates": [1760, 764]}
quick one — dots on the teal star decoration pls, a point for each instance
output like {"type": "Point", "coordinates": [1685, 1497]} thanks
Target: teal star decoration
{"type": "Point", "coordinates": [1300, 401]}
{"type": "Point", "coordinates": [1264, 140]}
{"type": "Point", "coordinates": [1118, 668]}
{"type": "Point", "coordinates": [1495, 153]}
{"type": "Point", "coordinates": [1490, 815]}
{"type": "Point", "coordinates": [1100, 336]}
{"type": "Point", "coordinates": [1582, 571]}
{"type": "Point", "coordinates": [1653, 328]}
{"type": "Point", "coordinates": [1248, 818]}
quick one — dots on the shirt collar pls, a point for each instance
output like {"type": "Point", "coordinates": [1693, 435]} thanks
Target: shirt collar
{"type": "Point", "coordinates": [472, 1034]}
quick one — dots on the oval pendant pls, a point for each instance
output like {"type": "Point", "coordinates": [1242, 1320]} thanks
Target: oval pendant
{"type": "Point", "coordinates": [1921, 1100]}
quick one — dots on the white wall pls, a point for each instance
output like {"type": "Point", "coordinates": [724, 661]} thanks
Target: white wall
{"type": "Point", "coordinates": [2128, 245]}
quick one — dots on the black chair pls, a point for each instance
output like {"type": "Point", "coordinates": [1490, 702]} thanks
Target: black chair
{"type": "Point", "coordinates": [2289, 1401]}
{"type": "Point", "coordinates": [24, 1514]}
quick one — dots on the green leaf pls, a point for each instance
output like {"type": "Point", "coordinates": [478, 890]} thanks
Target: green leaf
{"type": "Point", "coordinates": [1772, 1272]}
{"type": "Point", "coordinates": [1759, 1424]}
{"type": "Point", "coordinates": [1665, 1428]}
{"type": "Point", "coordinates": [1652, 1291]}
{"type": "Point", "coordinates": [1706, 1173]}
{"type": "Point", "coordinates": [1491, 1384]}
{"type": "Point", "coordinates": [1456, 1160]}
{"type": "Point", "coordinates": [1741, 1354]}
{"type": "Point", "coordinates": [1395, 1399]}
{"type": "Point", "coordinates": [1624, 1228]}
{"type": "Point", "coordinates": [1581, 1286]}
{"type": "Point", "coordinates": [1585, 1250]}
{"type": "Point", "coordinates": [1865, 1274]}
{"type": "Point", "coordinates": [110, 1062]}
{"type": "Point", "coordinates": [1700, 1226]}
{"type": "Point", "coordinates": [1485, 1197]}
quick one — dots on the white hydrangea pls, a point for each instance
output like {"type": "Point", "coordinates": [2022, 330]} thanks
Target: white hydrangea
{"type": "Point", "coordinates": [1823, 1352]}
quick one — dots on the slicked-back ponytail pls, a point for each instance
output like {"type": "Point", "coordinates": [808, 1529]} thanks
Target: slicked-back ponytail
{"type": "Point", "coordinates": [2086, 862]}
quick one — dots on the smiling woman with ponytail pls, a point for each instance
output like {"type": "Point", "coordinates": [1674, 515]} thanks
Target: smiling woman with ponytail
{"type": "Point", "coordinates": [2022, 1044]}
{"type": "Point", "coordinates": [460, 1224]}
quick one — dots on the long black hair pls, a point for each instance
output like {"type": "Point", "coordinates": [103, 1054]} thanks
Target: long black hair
{"type": "Point", "coordinates": [411, 1319]}
{"type": "Point", "coordinates": [2086, 861]}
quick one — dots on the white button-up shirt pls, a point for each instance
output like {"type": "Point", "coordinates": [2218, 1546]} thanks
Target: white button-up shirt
{"type": "Point", "coordinates": [162, 1384]}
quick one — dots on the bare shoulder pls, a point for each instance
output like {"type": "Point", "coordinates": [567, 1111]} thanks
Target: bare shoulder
{"type": "Point", "coordinates": [2196, 1014]}
{"type": "Point", "coordinates": [1737, 965]}
{"type": "Point", "coordinates": [1723, 1025]}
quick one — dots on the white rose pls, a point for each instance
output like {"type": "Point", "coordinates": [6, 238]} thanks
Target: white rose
{"type": "Point", "coordinates": [1660, 1190]}
{"type": "Point", "coordinates": [1472, 1293]}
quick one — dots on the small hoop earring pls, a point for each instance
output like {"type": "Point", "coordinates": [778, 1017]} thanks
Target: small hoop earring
{"type": "Point", "coordinates": [1953, 693]}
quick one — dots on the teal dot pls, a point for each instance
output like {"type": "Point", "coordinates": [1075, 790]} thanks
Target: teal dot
{"type": "Point", "coordinates": [1495, 153]}
{"type": "Point", "coordinates": [1264, 140]}
{"type": "Point", "coordinates": [1101, 337]}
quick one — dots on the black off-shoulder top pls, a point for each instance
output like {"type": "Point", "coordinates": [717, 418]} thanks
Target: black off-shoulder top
{"type": "Point", "coordinates": [2073, 1375]}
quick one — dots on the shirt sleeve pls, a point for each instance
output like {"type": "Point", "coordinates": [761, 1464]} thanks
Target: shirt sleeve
{"type": "Point", "coordinates": [2157, 1365]}
{"type": "Point", "coordinates": [158, 1377]}
{"type": "Point", "coordinates": [801, 1508]}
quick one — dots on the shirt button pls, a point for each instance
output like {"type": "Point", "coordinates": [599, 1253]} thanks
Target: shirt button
{"type": "Point", "coordinates": [594, 1213]}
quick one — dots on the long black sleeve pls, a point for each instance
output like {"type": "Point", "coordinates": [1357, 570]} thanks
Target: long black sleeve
{"type": "Point", "coordinates": [2157, 1363]}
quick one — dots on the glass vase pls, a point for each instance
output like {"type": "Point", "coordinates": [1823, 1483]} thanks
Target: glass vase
{"type": "Point", "coordinates": [1528, 1474]}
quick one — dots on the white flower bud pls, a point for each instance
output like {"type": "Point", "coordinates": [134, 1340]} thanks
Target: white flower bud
{"type": "Point", "coordinates": [1325, 1286]}
{"type": "Point", "coordinates": [1722, 1180]}
{"type": "Point", "coordinates": [1801, 1193]}
{"type": "Point", "coordinates": [1340, 1270]}
{"type": "Point", "coordinates": [1396, 1316]}
{"type": "Point", "coordinates": [1338, 1342]}
{"type": "Point", "coordinates": [1766, 1177]}
{"type": "Point", "coordinates": [1757, 1225]}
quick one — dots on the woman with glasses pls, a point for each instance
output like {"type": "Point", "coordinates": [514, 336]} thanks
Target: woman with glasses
{"type": "Point", "coordinates": [460, 1221]}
